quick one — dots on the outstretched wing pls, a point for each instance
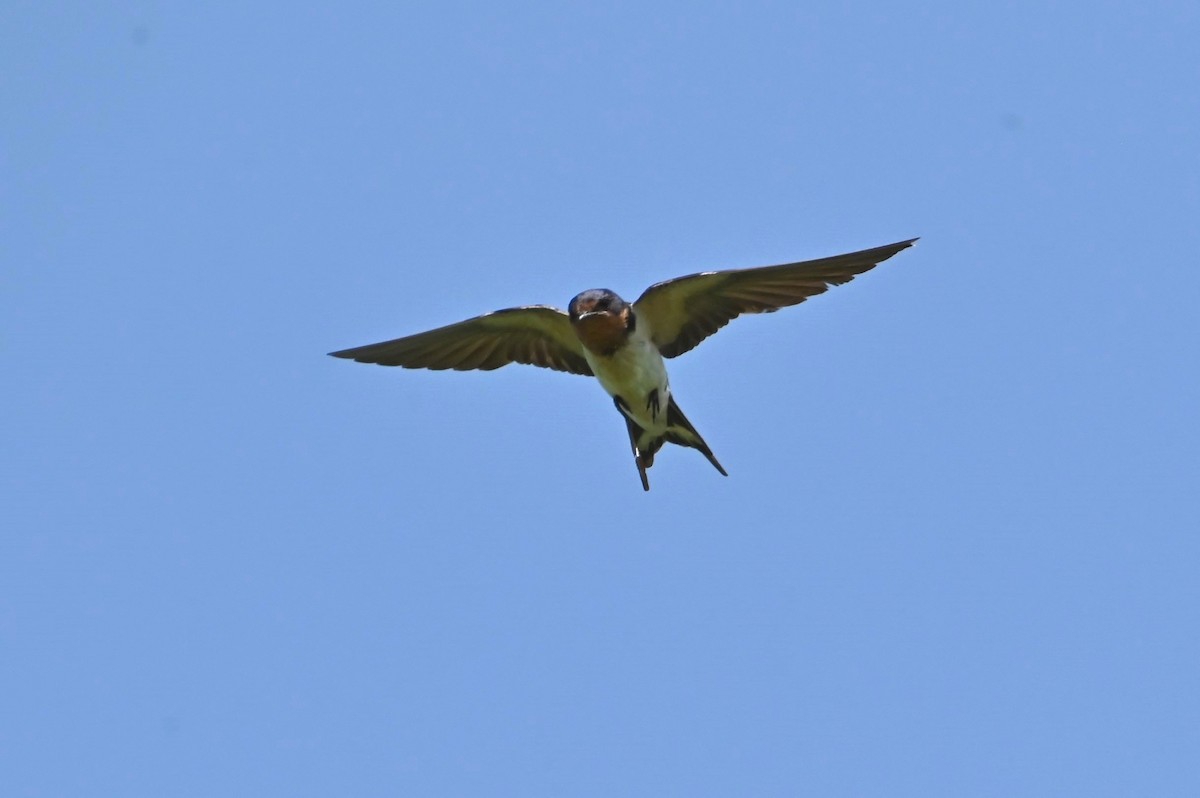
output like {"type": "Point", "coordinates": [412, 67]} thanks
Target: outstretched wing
{"type": "Point", "coordinates": [683, 312]}
{"type": "Point", "coordinates": [538, 335]}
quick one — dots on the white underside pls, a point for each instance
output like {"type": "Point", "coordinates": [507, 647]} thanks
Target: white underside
{"type": "Point", "coordinates": [633, 372]}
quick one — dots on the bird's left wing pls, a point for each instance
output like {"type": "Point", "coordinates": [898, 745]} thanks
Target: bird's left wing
{"type": "Point", "coordinates": [538, 335]}
{"type": "Point", "coordinates": [683, 312]}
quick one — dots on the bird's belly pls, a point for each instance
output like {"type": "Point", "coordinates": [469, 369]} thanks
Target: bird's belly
{"type": "Point", "coordinates": [636, 373]}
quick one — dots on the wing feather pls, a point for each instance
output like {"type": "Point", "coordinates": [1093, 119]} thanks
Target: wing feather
{"type": "Point", "coordinates": [537, 335]}
{"type": "Point", "coordinates": [683, 312]}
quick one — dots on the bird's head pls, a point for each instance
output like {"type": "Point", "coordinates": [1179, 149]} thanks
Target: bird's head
{"type": "Point", "coordinates": [601, 319]}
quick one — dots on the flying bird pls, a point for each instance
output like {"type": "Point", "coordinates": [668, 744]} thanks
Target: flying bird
{"type": "Point", "coordinates": [621, 344]}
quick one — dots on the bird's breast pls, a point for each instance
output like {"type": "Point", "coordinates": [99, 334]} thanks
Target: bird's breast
{"type": "Point", "coordinates": [635, 371]}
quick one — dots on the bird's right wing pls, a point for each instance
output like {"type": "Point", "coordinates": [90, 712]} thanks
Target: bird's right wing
{"type": "Point", "coordinates": [538, 335]}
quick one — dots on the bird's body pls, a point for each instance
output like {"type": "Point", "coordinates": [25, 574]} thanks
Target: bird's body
{"type": "Point", "coordinates": [623, 345]}
{"type": "Point", "coordinates": [637, 374]}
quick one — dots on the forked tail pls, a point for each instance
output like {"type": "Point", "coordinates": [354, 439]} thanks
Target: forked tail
{"type": "Point", "coordinates": [679, 431]}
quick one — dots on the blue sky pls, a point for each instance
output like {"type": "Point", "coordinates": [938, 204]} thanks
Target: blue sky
{"type": "Point", "coordinates": [957, 550]}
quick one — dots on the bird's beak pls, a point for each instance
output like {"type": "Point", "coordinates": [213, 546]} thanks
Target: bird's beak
{"type": "Point", "coordinates": [592, 313]}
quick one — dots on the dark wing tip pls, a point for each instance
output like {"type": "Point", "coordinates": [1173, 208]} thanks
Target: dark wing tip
{"type": "Point", "coordinates": [351, 354]}
{"type": "Point", "coordinates": [892, 249]}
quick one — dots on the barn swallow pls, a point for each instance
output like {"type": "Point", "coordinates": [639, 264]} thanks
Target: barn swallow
{"type": "Point", "coordinates": [621, 344]}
